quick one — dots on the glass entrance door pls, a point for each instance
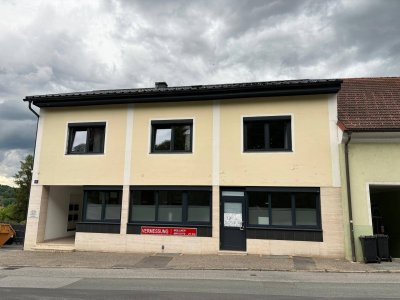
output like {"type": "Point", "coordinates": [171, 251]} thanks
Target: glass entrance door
{"type": "Point", "coordinates": [233, 231]}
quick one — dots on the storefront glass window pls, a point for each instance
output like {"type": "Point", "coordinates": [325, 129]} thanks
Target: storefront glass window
{"type": "Point", "coordinates": [198, 206]}
{"type": "Point", "coordinates": [281, 204]}
{"type": "Point", "coordinates": [170, 206]}
{"type": "Point", "coordinates": [258, 208]}
{"type": "Point", "coordinates": [143, 207]}
{"type": "Point", "coordinates": [306, 209]}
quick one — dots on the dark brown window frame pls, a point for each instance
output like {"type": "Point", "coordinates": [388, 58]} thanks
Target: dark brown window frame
{"type": "Point", "coordinates": [104, 189]}
{"type": "Point", "coordinates": [265, 120]}
{"type": "Point", "coordinates": [84, 126]}
{"type": "Point", "coordinates": [293, 192]}
{"type": "Point", "coordinates": [185, 200]}
{"type": "Point", "coordinates": [165, 124]}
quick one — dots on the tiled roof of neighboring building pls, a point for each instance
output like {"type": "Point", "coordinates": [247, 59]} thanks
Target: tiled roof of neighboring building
{"type": "Point", "coordinates": [369, 104]}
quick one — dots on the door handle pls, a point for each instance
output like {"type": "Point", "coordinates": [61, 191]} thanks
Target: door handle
{"type": "Point", "coordinates": [242, 227]}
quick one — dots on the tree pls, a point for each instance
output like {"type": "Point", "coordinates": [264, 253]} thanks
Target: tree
{"type": "Point", "coordinates": [23, 180]}
{"type": "Point", "coordinates": [6, 195]}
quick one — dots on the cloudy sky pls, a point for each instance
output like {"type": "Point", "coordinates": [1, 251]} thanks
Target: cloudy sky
{"type": "Point", "coordinates": [58, 46]}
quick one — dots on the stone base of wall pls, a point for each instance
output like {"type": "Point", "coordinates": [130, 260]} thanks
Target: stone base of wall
{"type": "Point", "coordinates": [105, 242]}
{"type": "Point", "coordinates": [145, 243]}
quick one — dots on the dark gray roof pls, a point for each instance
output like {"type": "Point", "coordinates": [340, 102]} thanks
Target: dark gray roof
{"type": "Point", "coordinates": [186, 88]}
{"type": "Point", "coordinates": [190, 93]}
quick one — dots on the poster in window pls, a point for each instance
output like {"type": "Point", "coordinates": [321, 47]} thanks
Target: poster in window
{"type": "Point", "coordinates": [233, 215]}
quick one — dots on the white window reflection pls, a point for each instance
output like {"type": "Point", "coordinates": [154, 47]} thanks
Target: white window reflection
{"type": "Point", "coordinates": [79, 142]}
{"type": "Point", "coordinates": [163, 139]}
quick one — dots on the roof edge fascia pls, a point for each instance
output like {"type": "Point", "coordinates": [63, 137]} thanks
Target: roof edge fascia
{"type": "Point", "coordinates": [331, 87]}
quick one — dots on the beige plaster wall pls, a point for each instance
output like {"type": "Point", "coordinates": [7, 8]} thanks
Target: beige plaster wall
{"type": "Point", "coordinates": [172, 169]}
{"type": "Point", "coordinates": [57, 168]}
{"type": "Point", "coordinates": [308, 165]}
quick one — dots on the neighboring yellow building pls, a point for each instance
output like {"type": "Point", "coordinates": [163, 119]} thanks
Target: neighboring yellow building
{"type": "Point", "coordinates": [369, 116]}
{"type": "Point", "coordinates": [248, 167]}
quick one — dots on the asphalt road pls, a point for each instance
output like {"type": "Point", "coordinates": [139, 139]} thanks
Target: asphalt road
{"type": "Point", "coordinates": [82, 283]}
{"type": "Point", "coordinates": [153, 295]}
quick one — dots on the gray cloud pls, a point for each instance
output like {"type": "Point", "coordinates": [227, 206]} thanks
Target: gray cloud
{"type": "Point", "coordinates": [17, 135]}
{"type": "Point", "coordinates": [59, 46]}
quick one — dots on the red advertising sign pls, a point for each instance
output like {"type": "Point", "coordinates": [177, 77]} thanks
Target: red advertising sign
{"type": "Point", "coordinates": [168, 230]}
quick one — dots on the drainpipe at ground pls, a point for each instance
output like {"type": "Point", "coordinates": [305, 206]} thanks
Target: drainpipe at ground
{"type": "Point", "coordinates": [349, 203]}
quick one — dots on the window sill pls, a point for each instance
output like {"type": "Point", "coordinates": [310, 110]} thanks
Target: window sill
{"type": "Point", "coordinates": [172, 152]}
{"type": "Point", "coordinates": [100, 222]}
{"type": "Point", "coordinates": [268, 151]}
{"type": "Point", "coordinates": [89, 154]}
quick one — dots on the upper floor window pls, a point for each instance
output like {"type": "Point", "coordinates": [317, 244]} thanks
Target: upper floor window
{"type": "Point", "coordinates": [267, 133]}
{"type": "Point", "coordinates": [84, 138]}
{"type": "Point", "coordinates": [171, 136]}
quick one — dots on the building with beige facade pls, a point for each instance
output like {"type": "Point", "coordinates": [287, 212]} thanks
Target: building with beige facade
{"type": "Point", "coordinates": [252, 167]}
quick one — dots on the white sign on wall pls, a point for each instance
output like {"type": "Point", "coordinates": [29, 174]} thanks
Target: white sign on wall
{"type": "Point", "coordinates": [33, 214]}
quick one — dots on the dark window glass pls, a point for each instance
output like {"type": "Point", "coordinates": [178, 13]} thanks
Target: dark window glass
{"type": "Point", "coordinates": [277, 136]}
{"type": "Point", "coordinates": [255, 136]}
{"type": "Point", "coordinates": [267, 134]}
{"type": "Point", "coordinates": [143, 206]}
{"type": "Point", "coordinates": [306, 209]}
{"type": "Point", "coordinates": [86, 139]}
{"type": "Point", "coordinates": [281, 204]}
{"type": "Point", "coordinates": [95, 139]}
{"type": "Point", "coordinates": [172, 137]}
{"type": "Point", "coordinates": [182, 137]}
{"type": "Point", "coordinates": [170, 206]}
{"type": "Point", "coordinates": [94, 205]}
{"type": "Point", "coordinates": [198, 206]}
{"type": "Point", "coordinates": [258, 208]}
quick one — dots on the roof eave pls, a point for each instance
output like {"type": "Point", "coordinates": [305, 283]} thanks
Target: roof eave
{"type": "Point", "coordinates": [178, 96]}
{"type": "Point", "coordinates": [372, 130]}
